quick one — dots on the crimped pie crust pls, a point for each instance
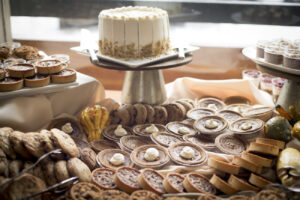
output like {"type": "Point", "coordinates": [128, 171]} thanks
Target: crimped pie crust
{"type": "Point", "coordinates": [230, 144]}
{"type": "Point", "coordinates": [165, 139]}
{"type": "Point", "coordinates": [173, 127]}
{"type": "Point", "coordinates": [108, 132]}
{"type": "Point", "coordinates": [131, 142]}
{"type": "Point", "coordinates": [197, 113]}
{"type": "Point", "coordinates": [204, 102]}
{"type": "Point", "coordinates": [200, 125]}
{"type": "Point", "coordinates": [49, 66]}
{"type": "Point", "coordinates": [140, 129]}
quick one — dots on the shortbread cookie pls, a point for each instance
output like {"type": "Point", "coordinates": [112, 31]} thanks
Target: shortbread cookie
{"type": "Point", "coordinates": [77, 168]}
{"type": "Point", "coordinates": [5, 144]}
{"type": "Point", "coordinates": [61, 170]}
{"type": "Point", "coordinates": [33, 144]}
{"type": "Point", "coordinates": [150, 113]}
{"type": "Point", "coordinates": [88, 156]}
{"type": "Point", "coordinates": [176, 112]}
{"type": "Point", "coordinates": [49, 172]}
{"type": "Point", "coordinates": [161, 115]}
{"type": "Point", "coordinates": [17, 143]}
{"type": "Point", "coordinates": [141, 113]}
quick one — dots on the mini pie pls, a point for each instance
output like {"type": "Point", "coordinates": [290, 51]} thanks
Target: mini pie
{"type": "Point", "coordinates": [84, 190]}
{"type": "Point", "coordinates": [141, 129]}
{"type": "Point", "coordinates": [105, 155]}
{"type": "Point", "coordinates": [206, 143]}
{"type": "Point", "coordinates": [194, 182]}
{"type": "Point", "coordinates": [208, 102]}
{"type": "Point", "coordinates": [240, 108]}
{"type": "Point", "coordinates": [222, 185]}
{"type": "Point", "coordinates": [240, 184]}
{"type": "Point", "coordinates": [126, 179]}
{"type": "Point", "coordinates": [144, 195]}
{"type": "Point", "coordinates": [173, 183]}
{"type": "Point", "coordinates": [230, 115]}
{"type": "Point", "coordinates": [188, 121]}
{"type": "Point", "coordinates": [109, 132]}
{"type": "Point", "coordinates": [78, 168]}
{"type": "Point", "coordinates": [113, 194]}
{"type": "Point", "coordinates": [64, 76]}
{"type": "Point", "coordinates": [10, 84]}
{"type": "Point", "coordinates": [258, 181]}
{"type": "Point", "coordinates": [179, 128]}
{"type": "Point", "coordinates": [104, 178]}
{"type": "Point", "coordinates": [138, 156]}
{"type": "Point", "coordinates": [220, 124]}
{"type": "Point", "coordinates": [176, 111]}
{"type": "Point", "coordinates": [100, 145]}
{"type": "Point", "coordinates": [131, 142]}
{"type": "Point", "coordinates": [247, 128]}
{"type": "Point", "coordinates": [280, 144]}
{"type": "Point", "coordinates": [198, 159]}
{"type": "Point", "coordinates": [223, 166]}
{"type": "Point", "coordinates": [165, 139]}
{"type": "Point", "coordinates": [49, 66]}
{"type": "Point", "coordinates": [2, 74]}
{"type": "Point", "coordinates": [197, 113]}
{"type": "Point", "coordinates": [20, 70]}
{"type": "Point", "coordinates": [246, 164]}
{"type": "Point", "coordinates": [37, 81]}
{"type": "Point", "coordinates": [152, 180]}
{"type": "Point", "coordinates": [265, 162]}
{"type": "Point", "coordinates": [230, 144]}
{"type": "Point", "coordinates": [266, 149]}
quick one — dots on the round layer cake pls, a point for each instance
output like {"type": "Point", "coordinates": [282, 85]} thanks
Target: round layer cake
{"type": "Point", "coordinates": [133, 32]}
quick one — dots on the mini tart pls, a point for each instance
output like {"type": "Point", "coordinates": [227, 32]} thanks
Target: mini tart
{"type": "Point", "coordinates": [144, 195]}
{"type": "Point", "coordinates": [240, 108]}
{"type": "Point", "coordinates": [100, 145]}
{"type": "Point", "coordinates": [104, 178]}
{"type": "Point", "coordinates": [206, 143]}
{"type": "Point", "coordinates": [165, 139]}
{"type": "Point", "coordinates": [199, 158]}
{"type": "Point", "coordinates": [251, 166]}
{"type": "Point", "coordinates": [10, 84]}
{"type": "Point", "coordinates": [2, 74]}
{"type": "Point", "coordinates": [140, 129]}
{"type": "Point", "coordinates": [126, 179]}
{"type": "Point", "coordinates": [258, 181]}
{"type": "Point", "coordinates": [197, 113]}
{"type": "Point", "coordinates": [264, 113]}
{"type": "Point", "coordinates": [194, 182]}
{"type": "Point", "coordinates": [280, 144]}
{"type": "Point", "coordinates": [240, 184]}
{"type": "Point", "coordinates": [237, 100]}
{"type": "Point", "coordinates": [223, 166]}
{"type": "Point", "coordinates": [174, 127]}
{"type": "Point", "coordinates": [137, 156]}
{"type": "Point", "coordinates": [20, 70]}
{"type": "Point", "coordinates": [200, 125]}
{"type": "Point", "coordinates": [104, 156]}
{"type": "Point", "coordinates": [230, 115]}
{"type": "Point", "coordinates": [266, 149]}
{"type": "Point", "coordinates": [49, 66]}
{"type": "Point", "coordinates": [131, 142]}
{"type": "Point", "coordinates": [230, 144]}
{"type": "Point", "coordinates": [173, 183]}
{"type": "Point", "coordinates": [82, 190]}
{"type": "Point", "coordinates": [256, 127]}
{"type": "Point", "coordinates": [37, 81]}
{"type": "Point", "coordinates": [265, 162]}
{"type": "Point", "coordinates": [150, 179]}
{"type": "Point", "coordinates": [205, 102]}
{"type": "Point", "coordinates": [64, 76]}
{"type": "Point", "coordinates": [222, 185]}
{"type": "Point", "coordinates": [109, 132]}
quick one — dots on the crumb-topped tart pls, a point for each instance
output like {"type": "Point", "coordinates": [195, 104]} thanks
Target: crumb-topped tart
{"type": "Point", "coordinates": [100, 145]}
{"type": "Point", "coordinates": [49, 66]}
{"type": "Point", "coordinates": [230, 115]}
{"type": "Point", "coordinates": [197, 113]}
{"type": "Point", "coordinates": [104, 178]}
{"type": "Point", "coordinates": [152, 180]}
{"type": "Point", "coordinates": [165, 139]}
{"type": "Point", "coordinates": [20, 70]}
{"type": "Point", "coordinates": [173, 183]}
{"type": "Point", "coordinates": [147, 129]}
{"type": "Point", "coordinates": [131, 142]}
{"type": "Point", "coordinates": [85, 190]}
{"type": "Point", "coordinates": [64, 76]}
{"type": "Point", "coordinates": [37, 80]}
{"type": "Point", "coordinates": [205, 142]}
{"type": "Point", "coordinates": [126, 179]}
{"type": "Point", "coordinates": [211, 103]}
{"type": "Point", "coordinates": [114, 158]}
{"type": "Point", "coordinates": [187, 154]}
{"type": "Point", "coordinates": [180, 128]}
{"type": "Point", "coordinates": [211, 126]}
{"type": "Point", "coordinates": [230, 144]}
{"type": "Point", "coordinates": [115, 131]}
{"type": "Point", "coordinates": [194, 182]}
{"type": "Point", "coordinates": [10, 84]}
{"type": "Point", "coordinates": [152, 156]}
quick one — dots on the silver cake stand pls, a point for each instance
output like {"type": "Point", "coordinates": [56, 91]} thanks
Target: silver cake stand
{"type": "Point", "coordinates": [144, 84]}
{"type": "Point", "coordinates": [290, 93]}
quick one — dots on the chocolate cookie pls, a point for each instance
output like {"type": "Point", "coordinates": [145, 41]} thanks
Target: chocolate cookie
{"type": "Point", "coordinates": [65, 142]}
{"type": "Point", "coordinates": [18, 146]}
{"type": "Point", "coordinates": [77, 168]}
{"type": "Point", "coordinates": [32, 143]}
{"type": "Point", "coordinates": [86, 191]}
{"type": "Point", "coordinates": [176, 112]}
{"type": "Point", "coordinates": [141, 113]}
{"type": "Point", "coordinates": [124, 115]}
{"type": "Point", "coordinates": [150, 113]}
{"type": "Point", "coordinates": [5, 144]}
{"type": "Point", "coordinates": [161, 115]}
{"type": "Point", "coordinates": [49, 172]}
{"type": "Point", "coordinates": [88, 156]}
{"type": "Point", "coordinates": [61, 170]}
{"type": "Point", "coordinates": [113, 194]}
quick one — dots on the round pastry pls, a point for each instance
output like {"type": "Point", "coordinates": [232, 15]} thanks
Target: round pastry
{"type": "Point", "coordinates": [49, 66]}
{"type": "Point", "coordinates": [176, 111]}
{"type": "Point", "coordinates": [211, 103]}
{"type": "Point", "coordinates": [194, 182]}
{"type": "Point", "coordinates": [179, 128]}
{"type": "Point", "coordinates": [77, 168]}
{"type": "Point", "coordinates": [104, 178]}
{"type": "Point", "coordinates": [150, 113]}
{"type": "Point", "coordinates": [114, 158]}
{"type": "Point", "coordinates": [126, 179]}
{"type": "Point", "coordinates": [165, 139]}
{"type": "Point", "coordinates": [141, 113]}
{"type": "Point", "coordinates": [247, 128]}
{"type": "Point", "coordinates": [187, 154]}
{"type": "Point", "coordinates": [131, 142]}
{"type": "Point", "coordinates": [237, 100]}
{"type": "Point", "coordinates": [258, 181]}
{"type": "Point", "coordinates": [100, 145]}
{"type": "Point", "coordinates": [147, 129]}
{"type": "Point", "coordinates": [222, 185]}
{"type": "Point", "coordinates": [211, 126]}
{"type": "Point", "coordinates": [230, 144]}
{"type": "Point", "coordinates": [10, 84]}
{"type": "Point", "coordinates": [85, 190]}
{"type": "Point", "coordinates": [161, 115]}
{"type": "Point", "coordinates": [266, 149]}
{"type": "Point", "coordinates": [37, 81]}
{"type": "Point", "coordinates": [239, 108]}
{"type": "Point", "coordinates": [152, 156]}
{"type": "Point", "coordinates": [240, 185]}
{"type": "Point", "coordinates": [264, 113]}
{"type": "Point", "coordinates": [197, 113]}
{"type": "Point", "coordinates": [280, 144]}
{"type": "Point", "coordinates": [206, 143]}
{"type": "Point", "coordinates": [20, 70]}
{"type": "Point", "coordinates": [113, 194]}
{"type": "Point", "coordinates": [15, 139]}
{"type": "Point", "coordinates": [150, 179]}
{"type": "Point", "coordinates": [115, 131]}
{"type": "Point", "coordinates": [265, 162]}
{"type": "Point", "coordinates": [173, 183]}
{"type": "Point", "coordinates": [88, 156]}
{"type": "Point", "coordinates": [2, 74]}
{"type": "Point", "coordinates": [230, 115]}
{"type": "Point", "coordinates": [251, 166]}
{"type": "Point", "coordinates": [61, 171]}
{"type": "Point", "coordinates": [144, 195]}
{"type": "Point", "coordinates": [64, 76]}
{"type": "Point", "coordinates": [223, 166]}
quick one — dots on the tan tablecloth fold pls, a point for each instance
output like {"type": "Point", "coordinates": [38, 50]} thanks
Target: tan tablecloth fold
{"type": "Point", "coordinates": [33, 112]}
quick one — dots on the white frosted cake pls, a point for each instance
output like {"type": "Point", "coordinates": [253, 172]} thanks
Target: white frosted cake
{"type": "Point", "coordinates": [134, 32]}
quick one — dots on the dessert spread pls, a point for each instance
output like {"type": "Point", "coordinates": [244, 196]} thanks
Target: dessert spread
{"type": "Point", "coordinates": [180, 128]}
{"type": "Point", "coordinates": [230, 144]}
{"type": "Point", "coordinates": [165, 139]}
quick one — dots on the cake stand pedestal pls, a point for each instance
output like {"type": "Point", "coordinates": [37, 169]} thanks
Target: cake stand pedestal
{"type": "Point", "coordinates": [144, 84]}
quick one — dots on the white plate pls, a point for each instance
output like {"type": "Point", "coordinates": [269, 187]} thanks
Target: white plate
{"type": "Point", "coordinates": [139, 62]}
{"type": "Point", "coordinates": [250, 52]}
